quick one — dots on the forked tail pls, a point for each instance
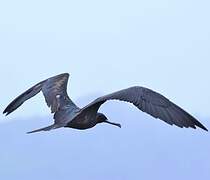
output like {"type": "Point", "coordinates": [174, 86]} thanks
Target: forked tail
{"type": "Point", "coordinates": [48, 128]}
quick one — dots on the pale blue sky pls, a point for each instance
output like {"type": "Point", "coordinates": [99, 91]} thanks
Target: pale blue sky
{"type": "Point", "coordinates": [106, 46]}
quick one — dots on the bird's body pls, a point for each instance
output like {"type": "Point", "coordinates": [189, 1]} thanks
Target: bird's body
{"type": "Point", "coordinates": [68, 114]}
{"type": "Point", "coordinates": [82, 121]}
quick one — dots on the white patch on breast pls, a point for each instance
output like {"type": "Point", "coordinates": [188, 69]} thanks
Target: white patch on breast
{"type": "Point", "coordinates": [58, 96]}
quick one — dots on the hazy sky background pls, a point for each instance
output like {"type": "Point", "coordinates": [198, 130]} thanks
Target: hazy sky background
{"type": "Point", "coordinates": [105, 46]}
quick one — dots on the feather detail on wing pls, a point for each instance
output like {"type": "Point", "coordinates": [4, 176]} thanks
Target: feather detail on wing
{"type": "Point", "coordinates": [152, 103]}
{"type": "Point", "coordinates": [54, 90]}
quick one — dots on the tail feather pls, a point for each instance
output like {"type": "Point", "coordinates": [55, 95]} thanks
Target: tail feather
{"type": "Point", "coordinates": [48, 128]}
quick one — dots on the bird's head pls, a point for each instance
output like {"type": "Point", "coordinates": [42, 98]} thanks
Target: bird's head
{"type": "Point", "coordinates": [101, 118]}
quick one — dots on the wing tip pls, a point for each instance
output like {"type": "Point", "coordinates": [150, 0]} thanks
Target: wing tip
{"type": "Point", "coordinates": [204, 128]}
{"type": "Point", "coordinates": [9, 109]}
{"type": "Point", "coordinates": [194, 122]}
{"type": "Point", "coordinates": [193, 127]}
{"type": "Point", "coordinates": [198, 124]}
{"type": "Point", "coordinates": [6, 112]}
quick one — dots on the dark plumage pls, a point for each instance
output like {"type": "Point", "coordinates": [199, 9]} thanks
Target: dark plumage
{"type": "Point", "coordinates": [67, 114]}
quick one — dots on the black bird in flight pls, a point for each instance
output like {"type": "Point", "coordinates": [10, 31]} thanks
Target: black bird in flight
{"type": "Point", "coordinates": [68, 114]}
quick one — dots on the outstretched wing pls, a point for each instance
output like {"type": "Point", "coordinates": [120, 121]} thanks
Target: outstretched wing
{"type": "Point", "coordinates": [54, 90]}
{"type": "Point", "coordinates": [152, 103]}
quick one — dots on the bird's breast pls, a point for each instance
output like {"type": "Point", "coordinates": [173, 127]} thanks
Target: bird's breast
{"type": "Point", "coordinates": [82, 122]}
